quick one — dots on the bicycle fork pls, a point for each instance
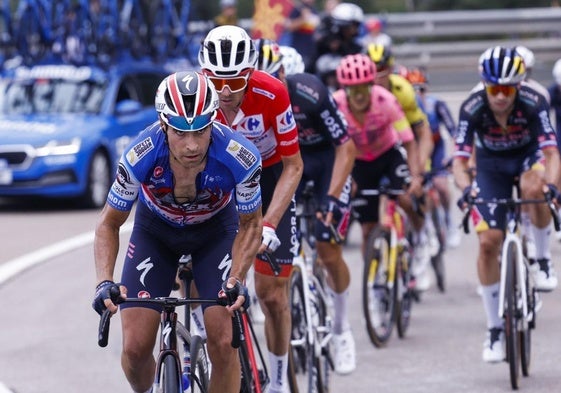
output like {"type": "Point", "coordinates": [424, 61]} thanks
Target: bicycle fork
{"type": "Point", "coordinates": [520, 274]}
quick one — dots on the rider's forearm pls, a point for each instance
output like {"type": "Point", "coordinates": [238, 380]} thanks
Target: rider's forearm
{"type": "Point", "coordinates": [342, 167]}
{"type": "Point", "coordinates": [106, 242]}
{"type": "Point", "coordinates": [460, 172]}
{"type": "Point", "coordinates": [246, 244]}
{"type": "Point", "coordinates": [285, 188]}
{"type": "Point", "coordinates": [553, 166]}
{"type": "Point", "coordinates": [413, 157]}
{"type": "Point", "coordinates": [426, 144]}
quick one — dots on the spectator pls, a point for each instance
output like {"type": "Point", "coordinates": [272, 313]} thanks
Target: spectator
{"type": "Point", "coordinates": [228, 13]}
{"type": "Point", "coordinates": [301, 24]}
{"type": "Point", "coordinates": [375, 35]}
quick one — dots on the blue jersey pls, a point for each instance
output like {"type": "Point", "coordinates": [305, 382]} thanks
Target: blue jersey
{"type": "Point", "coordinates": [233, 170]}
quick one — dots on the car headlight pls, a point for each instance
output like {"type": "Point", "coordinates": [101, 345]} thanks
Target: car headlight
{"type": "Point", "coordinates": [58, 148]}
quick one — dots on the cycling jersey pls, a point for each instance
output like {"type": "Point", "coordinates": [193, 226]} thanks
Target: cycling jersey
{"type": "Point", "coordinates": [233, 164]}
{"type": "Point", "coordinates": [321, 127]}
{"type": "Point", "coordinates": [405, 94]}
{"type": "Point", "coordinates": [265, 118]}
{"type": "Point", "coordinates": [555, 94]}
{"type": "Point", "coordinates": [528, 127]}
{"type": "Point", "coordinates": [438, 113]}
{"type": "Point", "coordinates": [384, 123]}
{"type": "Point", "coordinates": [502, 154]}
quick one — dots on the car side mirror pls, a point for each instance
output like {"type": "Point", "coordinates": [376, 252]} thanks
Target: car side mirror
{"type": "Point", "coordinates": [127, 107]}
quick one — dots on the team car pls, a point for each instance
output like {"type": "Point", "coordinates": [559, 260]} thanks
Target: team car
{"type": "Point", "coordinates": [64, 127]}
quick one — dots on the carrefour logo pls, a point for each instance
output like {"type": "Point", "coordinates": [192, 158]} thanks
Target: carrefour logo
{"type": "Point", "coordinates": [252, 126]}
{"type": "Point", "coordinates": [285, 121]}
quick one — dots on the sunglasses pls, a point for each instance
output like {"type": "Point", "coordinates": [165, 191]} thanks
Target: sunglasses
{"type": "Point", "coordinates": [358, 90]}
{"type": "Point", "coordinates": [507, 90]}
{"type": "Point", "coordinates": [181, 124]}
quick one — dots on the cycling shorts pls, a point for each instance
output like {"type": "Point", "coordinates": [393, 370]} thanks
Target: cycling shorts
{"type": "Point", "coordinates": [154, 250]}
{"type": "Point", "coordinates": [495, 178]}
{"type": "Point", "coordinates": [286, 229]}
{"type": "Point", "coordinates": [318, 168]}
{"type": "Point", "coordinates": [392, 165]}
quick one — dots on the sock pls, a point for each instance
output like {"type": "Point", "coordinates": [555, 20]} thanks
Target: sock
{"type": "Point", "coordinates": [279, 367]}
{"type": "Point", "coordinates": [541, 239]}
{"type": "Point", "coordinates": [340, 320]}
{"type": "Point", "coordinates": [490, 297]}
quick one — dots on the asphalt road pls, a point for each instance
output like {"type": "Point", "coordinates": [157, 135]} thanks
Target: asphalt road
{"type": "Point", "coordinates": [48, 339]}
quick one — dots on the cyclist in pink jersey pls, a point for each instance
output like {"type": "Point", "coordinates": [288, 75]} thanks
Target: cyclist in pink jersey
{"type": "Point", "coordinates": [257, 105]}
{"type": "Point", "coordinates": [381, 133]}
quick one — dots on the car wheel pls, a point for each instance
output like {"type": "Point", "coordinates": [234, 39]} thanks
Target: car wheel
{"type": "Point", "coordinates": [99, 181]}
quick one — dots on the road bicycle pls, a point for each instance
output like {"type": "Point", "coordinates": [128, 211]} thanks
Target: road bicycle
{"type": "Point", "coordinates": [183, 363]}
{"type": "Point", "coordinates": [309, 356]}
{"type": "Point", "coordinates": [387, 293]}
{"type": "Point", "coordinates": [518, 296]}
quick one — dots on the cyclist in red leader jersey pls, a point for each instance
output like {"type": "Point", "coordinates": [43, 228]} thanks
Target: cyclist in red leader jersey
{"type": "Point", "coordinates": [257, 105]}
{"type": "Point", "coordinates": [380, 131]}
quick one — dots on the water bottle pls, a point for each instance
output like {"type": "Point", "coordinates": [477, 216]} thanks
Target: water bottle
{"type": "Point", "coordinates": [185, 382]}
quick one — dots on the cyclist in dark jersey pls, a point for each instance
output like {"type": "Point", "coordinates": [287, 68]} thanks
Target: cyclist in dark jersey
{"type": "Point", "coordinates": [195, 180]}
{"type": "Point", "coordinates": [328, 153]}
{"type": "Point", "coordinates": [507, 125]}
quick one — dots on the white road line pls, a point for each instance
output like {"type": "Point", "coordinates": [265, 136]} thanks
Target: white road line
{"type": "Point", "coordinates": [18, 265]}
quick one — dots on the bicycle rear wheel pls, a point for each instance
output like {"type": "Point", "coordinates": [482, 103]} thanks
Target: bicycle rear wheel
{"type": "Point", "coordinates": [512, 314]}
{"type": "Point", "coordinates": [378, 289]}
{"type": "Point", "coordinates": [200, 365]}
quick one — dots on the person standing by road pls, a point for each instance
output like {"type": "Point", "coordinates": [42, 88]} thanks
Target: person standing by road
{"type": "Point", "coordinates": [328, 153]}
{"type": "Point", "coordinates": [257, 105]}
{"type": "Point", "coordinates": [515, 140]}
{"type": "Point", "coordinates": [195, 180]}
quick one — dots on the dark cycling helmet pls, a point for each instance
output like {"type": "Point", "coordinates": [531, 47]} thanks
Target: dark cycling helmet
{"type": "Point", "coordinates": [356, 70]}
{"type": "Point", "coordinates": [292, 61]}
{"type": "Point", "coordinates": [381, 55]}
{"type": "Point", "coordinates": [502, 66]}
{"type": "Point", "coordinates": [187, 101]}
{"type": "Point", "coordinates": [227, 51]}
{"type": "Point", "coordinates": [269, 57]}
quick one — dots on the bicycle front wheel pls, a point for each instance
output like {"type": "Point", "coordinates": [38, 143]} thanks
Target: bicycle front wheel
{"type": "Point", "coordinates": [512, 314]}
{"type": "Point", "coordinates": [404, 292]}
{"type": "Point", "coordinates": [199, 375]}
{"type": "Point", "coordinates": [169, 377]}
{"type": "Point", "coordinates": [527, 326]}
{"type": "Point", "coordinates": [378, 288]}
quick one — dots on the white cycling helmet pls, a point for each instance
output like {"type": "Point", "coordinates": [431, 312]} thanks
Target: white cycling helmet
{"type": "Point", "coordinates": [292, 61]}
{"type": "Point", "coordinates": [527, 55]}
{"type": "Point", "coordinates": [187, 101]}
{"type": "Point", "coordinates": [227, 51]}
{"type": "Point", "coordinates": [346, 13]}
{"type": "Point", "coordinates": [556, 72]}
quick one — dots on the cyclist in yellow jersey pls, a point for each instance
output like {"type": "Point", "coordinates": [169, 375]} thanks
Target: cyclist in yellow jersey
{"type": "Point", "coordinates": [405, 93]}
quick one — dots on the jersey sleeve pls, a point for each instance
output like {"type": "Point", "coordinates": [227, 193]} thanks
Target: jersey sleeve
{"type": "Point", "coordinates": [465, 132]}
{"type": "Point", "coordinates": [332, 121]}
{"type": "Point", "coordinates": [445, 117]}
{"type": "Point", "coordinates": [286, 131]}
{"type": "Point", "coordinates": [399, 120]}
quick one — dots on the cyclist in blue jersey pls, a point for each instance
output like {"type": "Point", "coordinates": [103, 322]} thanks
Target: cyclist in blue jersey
{"type": "Point", "coordinates": [194, 180]}
{"type": "Point", "coordinates": [506, 125]}
{"type": "Point", "coordinates": [328, 153]}
{"type": "Point", "coordinates": [438, 113]}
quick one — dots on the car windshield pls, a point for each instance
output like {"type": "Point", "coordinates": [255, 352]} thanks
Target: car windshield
{"type": "Point", "coordinates": [50, 95]}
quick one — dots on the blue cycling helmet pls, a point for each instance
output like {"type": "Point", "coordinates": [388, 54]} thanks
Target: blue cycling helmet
{"type": "Point", "coordinates": [502, 66]}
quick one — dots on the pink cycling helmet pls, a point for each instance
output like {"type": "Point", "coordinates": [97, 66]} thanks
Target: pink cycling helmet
{"type": "Point", "coordinates": [356, 70]}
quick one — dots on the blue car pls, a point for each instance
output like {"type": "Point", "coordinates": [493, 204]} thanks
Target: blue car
{"type": "Point", "coordinates": [63, 127]}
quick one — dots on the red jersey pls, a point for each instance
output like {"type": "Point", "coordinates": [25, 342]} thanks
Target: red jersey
{"type": "Point", "coordinates": [265, 118]}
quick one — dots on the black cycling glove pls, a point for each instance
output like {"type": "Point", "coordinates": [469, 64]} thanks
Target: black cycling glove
{"type": "Point", "coordinates": [233, 293]}
{"type": "Point", "coordinates": [105, 290]}
{"type": "Point", "coordinates": [554, 192]}
{"type": "Point", "coordinates": [466, 198]}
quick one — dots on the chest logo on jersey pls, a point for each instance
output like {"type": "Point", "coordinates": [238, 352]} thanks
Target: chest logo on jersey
{"type": "Point", "coordinates": [285, 121]}
{"type": "Point", "coordinates": [243, 155]}
{"type": "Point", "coordinates": [139, 150]}
{"type": "Point", "coordinates": [251, 126]}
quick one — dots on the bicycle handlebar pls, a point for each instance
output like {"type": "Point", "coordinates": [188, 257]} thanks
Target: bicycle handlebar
{"type": "Point", "coordinates": [171, 302]}
{"type": "Point", "coordinates": [511, 203]}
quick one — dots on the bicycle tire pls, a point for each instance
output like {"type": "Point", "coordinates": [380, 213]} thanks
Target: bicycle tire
{"type": "Point", "coordinates": [526, 331]}
{"type": "Point", "coordinates": [378, 293]}
{"type": "Point", "coordinates": [437, 261]}
{"type": "Point", "coordinates": [511, 316]}
{"type": "Point", "coordinates": [404, 293]}
{"type": "Point", "coordinates": [200, 364]}
{"type": "Point", "coordinates": [169, 375]}
{"type": "Point", "coordinates": [322, 360]}
{"type": "Point", "coordinates": [250, 378]}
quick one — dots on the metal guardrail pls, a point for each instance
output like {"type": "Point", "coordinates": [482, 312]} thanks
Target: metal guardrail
{"type": "Point", "coordinates": [456, 39]}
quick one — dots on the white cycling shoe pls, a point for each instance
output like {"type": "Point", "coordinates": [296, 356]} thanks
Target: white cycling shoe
{"type": "Point", "coordinates": [494, 346]}
{"type": "Point", "coordinates": [344, 352]}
